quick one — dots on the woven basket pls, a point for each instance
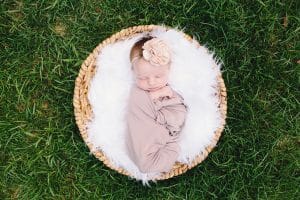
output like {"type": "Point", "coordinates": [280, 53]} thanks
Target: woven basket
{"type": "Point", "coordinates": [83, 111]}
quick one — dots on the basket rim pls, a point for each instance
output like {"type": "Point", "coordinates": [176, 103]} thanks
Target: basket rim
{"type": "Point", "coordinates": [83, 113]}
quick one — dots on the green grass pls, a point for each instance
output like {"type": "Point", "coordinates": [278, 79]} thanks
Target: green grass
{"type": "Point", "coordinates": [43, 44]}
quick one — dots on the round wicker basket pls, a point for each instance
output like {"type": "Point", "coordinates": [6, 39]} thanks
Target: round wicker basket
{"type": "Point", "coordinates": [83, 111]}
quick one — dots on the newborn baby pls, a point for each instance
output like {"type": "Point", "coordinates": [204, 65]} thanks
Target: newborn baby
{"type": "Point", "coordinates": [156, 113]}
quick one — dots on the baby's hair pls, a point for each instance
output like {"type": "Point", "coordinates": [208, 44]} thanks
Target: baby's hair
{"type": "Point", "coordinates": [136, 50]}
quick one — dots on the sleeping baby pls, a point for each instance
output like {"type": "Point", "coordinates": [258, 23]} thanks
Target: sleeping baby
{"type": "Point", "coordinates": [156, 113]}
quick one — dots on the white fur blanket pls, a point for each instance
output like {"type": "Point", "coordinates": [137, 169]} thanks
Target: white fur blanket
{"type": "Point", "coordinates": [192, 75]}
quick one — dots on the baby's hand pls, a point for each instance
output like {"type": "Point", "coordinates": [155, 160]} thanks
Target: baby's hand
{"type": "Point", "coordinates": [163, 92]}
{"type": "Point", "coordinates": [167, 92]}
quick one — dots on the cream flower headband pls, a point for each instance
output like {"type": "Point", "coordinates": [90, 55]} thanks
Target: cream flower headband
{"type": "Point", "coordinates": [156, 52]}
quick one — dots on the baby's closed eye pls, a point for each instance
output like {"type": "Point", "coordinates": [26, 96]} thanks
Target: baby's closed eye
{"type": "Point", "coordinates": [142, 78]}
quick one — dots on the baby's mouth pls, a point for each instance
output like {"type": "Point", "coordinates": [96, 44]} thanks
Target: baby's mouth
{"type": "Point", "coordinates": [153, 89]}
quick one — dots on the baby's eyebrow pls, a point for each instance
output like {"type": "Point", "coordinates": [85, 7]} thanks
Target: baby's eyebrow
{"type": "Point", "coordinates": [142, 76]}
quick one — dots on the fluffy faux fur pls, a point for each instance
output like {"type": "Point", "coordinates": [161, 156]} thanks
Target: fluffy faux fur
{"type": "Point", "coordinates": [192, 75]}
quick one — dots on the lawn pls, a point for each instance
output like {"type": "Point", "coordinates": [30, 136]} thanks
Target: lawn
{"type": "Point", "coordinates": [43, 43]}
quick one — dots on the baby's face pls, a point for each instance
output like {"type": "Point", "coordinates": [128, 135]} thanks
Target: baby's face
{"type": "Point", "coordinates": [149, 77]}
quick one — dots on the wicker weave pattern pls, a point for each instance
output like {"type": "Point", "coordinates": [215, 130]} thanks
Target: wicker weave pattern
{"type": "Point", "coordinates": [83, 111]}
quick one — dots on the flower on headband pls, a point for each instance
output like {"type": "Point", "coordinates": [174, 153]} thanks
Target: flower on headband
{"type": "Point", "coordinates": [156, 52]}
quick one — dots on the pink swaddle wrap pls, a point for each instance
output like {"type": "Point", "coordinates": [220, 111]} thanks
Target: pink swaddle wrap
{"type": "Point", "coordinates": [153, 128]}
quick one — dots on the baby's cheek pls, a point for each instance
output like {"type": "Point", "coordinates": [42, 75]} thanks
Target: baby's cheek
{"type": "Point", "coordinates": [140, 82]}
{"type": "Point", "coordinates": [164, 81]}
